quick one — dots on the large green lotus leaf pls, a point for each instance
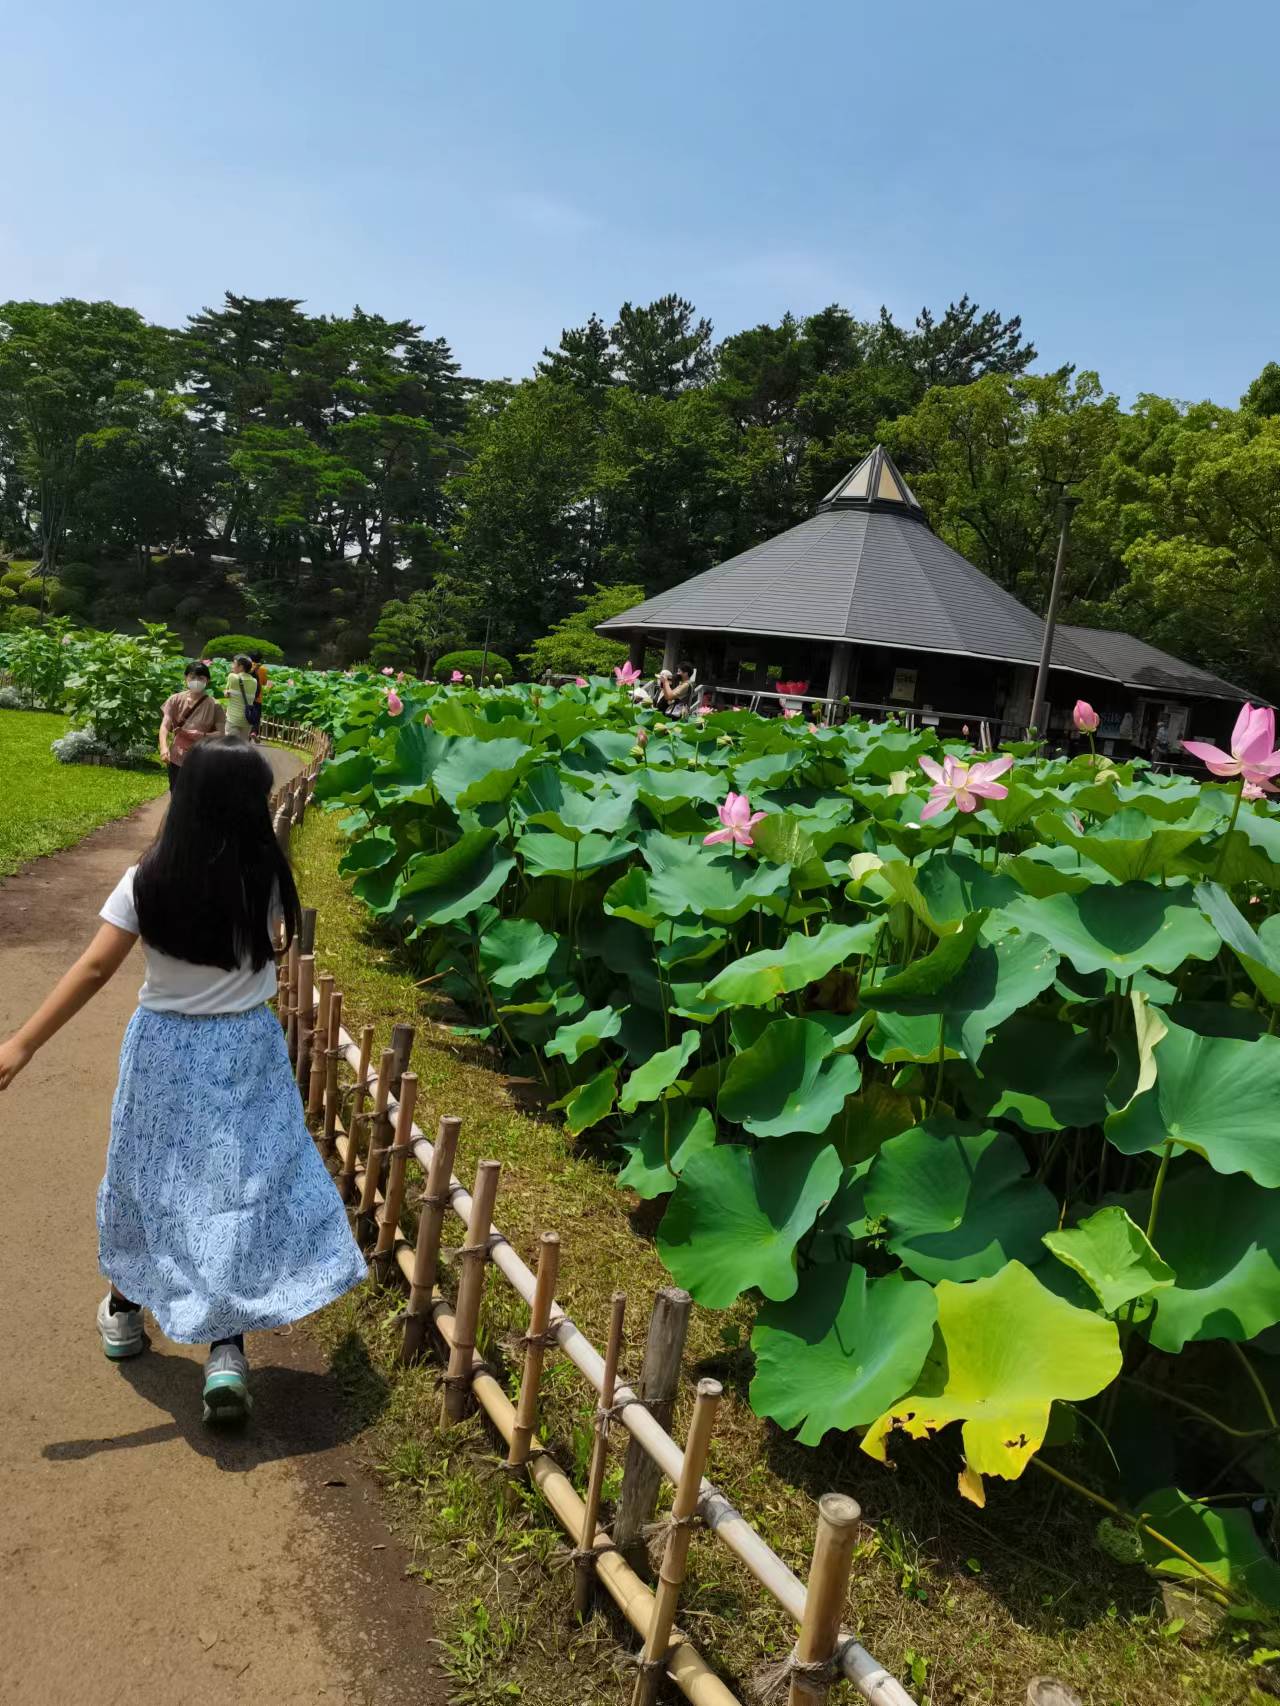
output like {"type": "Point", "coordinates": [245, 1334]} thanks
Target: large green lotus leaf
{"type": "Point", "coordinates": [1251, 854]}
{"type": "Point", "coordinates": [842, 1225]}
{"type": "Point", "coordinates": [1018, 804]}
{"type": "Point", "coordinates": [785, 1083]}
{"type": "Point", "coordinates": [923, 978]}
{"type": "Point", "coordinates": [548, 804]}
{"type": "Point", "coordinates": [546, 854]}
{"type": "Point", "coordinates": [1113, 1256]}
{"type": "Point", "coordinates": [597, 752]}
{"type": "Point", "coordinates": [944, 889]}
{"type": "Point", "coordinates": [736, 1217]}
{"type": "Point", "coordinates": [1259, 955]}
{"type": "Point", "coordinates": [1007, 1348]}
{"type": "Point", "coordinates": [473, 772]}
{"type": "Point", "coordinates": [957, 1202]}
{"type": "Point", "coordinates": [346, 779]}
{"type": "Point", "coordinates": [1130, 845]}
{"type": "Point", "coordinates": [573, 1041]}
{"type": "Point", "coordinates": [1219, 1096]}
{"type": "Point", "coordinates": [439, 888]}
{"type": "Point", "coordinates": [688, 949]}
{"type": "Point", "coordinates": [1121, 929]}
{"type": "Point", "coordinates": [629, 898]}
{"type": "Point", "coordinates": [1171, 800]}
{"type": "Point", "coordinates": [1053, 870]}
{"type": "Point", "coordinates": [659, 1072]}
{"type": "Point", "coordinates": [877, 1113]}
{"type": "Point", "coordinates": [690, 879]}
{"type": "Point", "coordinates": [991, 983]}
{"type": "Point", "coordinates": [1224, 1542]}
{"type": "Point", "coordinates": [676, 1129]}
{"type": "Point", "coordinates": [515, 950]}
{"type": "Point", "coordinates": [587, 1104]}
{"type": "Point", "coordinates": [784, 839]}
{"type": "Point", "coordinates": [841, 1350]}
{"type": "Point", "coordinates": [759, 978]}
{"type": "Point", "coordinates": [369, 853]}
{"type": "Point", "coordinates": [666, 792]}
{"type": "Point", "coordinates": [767, 771]}
{"type": "Point", "coordinates": [898, 1037]}
{"type": "Point", "coordinates": [1221, 1237]}
{"type": "Point", "coordinates": [1043, 1073]}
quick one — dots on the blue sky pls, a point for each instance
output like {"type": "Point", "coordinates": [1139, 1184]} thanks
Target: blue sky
{"type": "Point", "coordinates": [1108, 170]}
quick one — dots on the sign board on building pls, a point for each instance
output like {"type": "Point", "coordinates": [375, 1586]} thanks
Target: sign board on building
{"type": "Point", "coordinates": [904, 685]}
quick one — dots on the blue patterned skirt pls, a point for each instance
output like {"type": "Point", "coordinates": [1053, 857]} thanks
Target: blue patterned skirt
{"type": "Point", "coordinates": [216, 1211]}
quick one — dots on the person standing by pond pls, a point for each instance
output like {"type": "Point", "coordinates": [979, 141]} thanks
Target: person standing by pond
{"type": "Point", "coordinates": [260, 675]}
{"type": "Point", "coordinates": [188, 718]}
{"type": "Point", "coordinates": [242, 693]}
{"type": "Point", "coordinates": [215, 1211]}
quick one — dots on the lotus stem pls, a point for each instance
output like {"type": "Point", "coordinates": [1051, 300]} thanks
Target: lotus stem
{"type": "Point", "coordinates": [1197, 1410]}
{"type": "Point", "coordinates": [1157, 1189]}
{"type": "Point", "coordinates": [1267, 1406]}
{"type": "Point", "coordinates": [1226, 839]}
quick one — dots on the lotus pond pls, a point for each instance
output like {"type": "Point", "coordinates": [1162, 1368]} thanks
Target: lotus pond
{"type": "Point", "coordinates": [979, 1108]}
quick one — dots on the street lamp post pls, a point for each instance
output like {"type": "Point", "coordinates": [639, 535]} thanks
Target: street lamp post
{"type": "Point", "coordinates": [1066, 503]}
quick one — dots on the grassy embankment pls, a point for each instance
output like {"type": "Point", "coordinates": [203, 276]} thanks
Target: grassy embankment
{"type": "Point", "coordinates": [45, 805]}
{"type": "Point", "coordinates": [963, 1606]}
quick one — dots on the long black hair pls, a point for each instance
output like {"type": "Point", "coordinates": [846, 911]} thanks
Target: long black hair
{"type": "Point", "coordinates": [206, 888]}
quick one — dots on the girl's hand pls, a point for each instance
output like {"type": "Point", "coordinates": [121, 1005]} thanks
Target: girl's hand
{"type": "Point", "coordinates": [14, 1055]}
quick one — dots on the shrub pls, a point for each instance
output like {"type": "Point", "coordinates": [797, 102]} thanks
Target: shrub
{"type": "Point", "coordinates": [469, 663]}
{"type": "Point", "coordinates": [215, 625]}
{"type": "Point", "coordinates": [118, 687]}
{"type": "Point", "coordinates": [14, 578]}
{"type": "Point", "coordinates": [573, 647]}
{"type": "Point", "coordinates": [18, 616]}
{"type": "Point", "coordinates": [11, 700]}
{"type": "Point", "coordinates": [228, 645]}
{"type": "Point", "coordinates": [31, 591]}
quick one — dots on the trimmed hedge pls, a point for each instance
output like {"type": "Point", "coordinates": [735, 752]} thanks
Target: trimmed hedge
{"type": "Point", "coordinates": [230, 645]}
{"type": "Point", "coordinates": [469, 663]}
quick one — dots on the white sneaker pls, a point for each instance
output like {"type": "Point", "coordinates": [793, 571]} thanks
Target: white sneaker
{"type": "Point", "coordinates": [122, 1334]}
{"type": "Point", "coordinates": [226, 1388]}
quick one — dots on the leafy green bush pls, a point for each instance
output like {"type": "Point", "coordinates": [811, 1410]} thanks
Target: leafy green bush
{"type": "Point", "coordinates": [18, 616]}
{"type": "Point", "coordinates": [573, 647]}
{"type": "Point", "coordinates": [468, 662]}
{"type": "Point", "coordinates": [14, 579]}
{"type": "Point", "coordinates": [228, 645]}
{"type": "Point", "coordinates": [37, 663]}
{"type": "Point", "coordinates": [118, 686]}
{"type": "Point", "coordinates": [36, 588]}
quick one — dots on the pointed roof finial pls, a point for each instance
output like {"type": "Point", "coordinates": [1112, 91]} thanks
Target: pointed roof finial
{"type": "Point", "coordinates": [873, 484]}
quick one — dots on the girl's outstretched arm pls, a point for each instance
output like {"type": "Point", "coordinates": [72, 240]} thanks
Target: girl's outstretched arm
{"type": "Point", "coordinates": [96, 967]}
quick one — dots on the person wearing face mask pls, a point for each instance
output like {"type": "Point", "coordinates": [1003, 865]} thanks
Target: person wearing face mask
{"type": "Point", "coordinates": [189, 717]}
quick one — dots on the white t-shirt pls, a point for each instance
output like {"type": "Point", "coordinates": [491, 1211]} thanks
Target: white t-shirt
{"type": "Point", "coordinates": [181, 986]}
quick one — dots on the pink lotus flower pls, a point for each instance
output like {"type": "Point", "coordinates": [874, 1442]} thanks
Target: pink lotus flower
{"type": "Point", "coordinates": [400, 676]}
{"type": "Point", "coordinates": [395, 704]}
{"type": "Point", "coordinates": [387, 669]}
{"type": "Point", "coordinates": [426, 717]}
{"type": "Point", "coordinates": [207, 662]}
{"type": "Point", "coordinates": [1252, 790]}
{"type": "Point", "coordinates": [1252, 754]}
{"type": "Point", "coordinates": [289, 683]}
{"type": "Point", "coordinates": [579, 681]}
{"type": "Point", "coordinates": [456, 676]}
{"type": "Point", "coordinates": [1085, 718]}
{"type": "Point", "coordinates": [963, 785]}
{"type": "Point", "coordinates": [626, 674]}
{"type": "Point", "coordinates": [791, 710]}
{"type": "Point", "coordinates": [737, 819]}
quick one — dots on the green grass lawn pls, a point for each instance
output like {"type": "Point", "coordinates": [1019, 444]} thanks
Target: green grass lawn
{"type": "Point", "coordinates": [48, 805]}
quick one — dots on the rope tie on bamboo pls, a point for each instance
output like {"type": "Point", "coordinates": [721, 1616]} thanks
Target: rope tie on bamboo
{"type": "Point", "coordinates": [565, 1556]}
{"type": "Point", "coordinates": [654, 1532]}
{"type": "Point", "coordinates": [470, 1252]}
{"type": "Point", "coordinates": [771, 1683]}
{"type": "Point", "coordinates": [435, 1199]}
{"type": "Point", "coordinates": [605, 1417]}
{"type": "Point", "coordinates": [547, 1340]}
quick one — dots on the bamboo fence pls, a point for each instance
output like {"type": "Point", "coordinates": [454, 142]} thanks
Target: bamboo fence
{"type": "Point", "coordinates": [369, 1150]}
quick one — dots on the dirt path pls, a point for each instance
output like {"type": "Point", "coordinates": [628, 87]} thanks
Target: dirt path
{"type": "Point", "coordinates": [145, 1560]}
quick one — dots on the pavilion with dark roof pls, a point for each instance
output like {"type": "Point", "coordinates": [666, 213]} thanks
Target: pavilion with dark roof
{"type": "Point", "coordinates": [865, 603]}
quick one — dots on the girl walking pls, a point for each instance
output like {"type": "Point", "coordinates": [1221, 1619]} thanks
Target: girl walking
{"type": "Point", "coordinates": [216, 1212]}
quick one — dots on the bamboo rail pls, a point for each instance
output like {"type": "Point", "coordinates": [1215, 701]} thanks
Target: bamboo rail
{"type": "Point", "coordinates": [824, 1651]}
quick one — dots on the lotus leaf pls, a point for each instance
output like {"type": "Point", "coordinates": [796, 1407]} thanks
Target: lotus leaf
{"type": "Point", "coordinates": [759, 978]}
{"type": "Point", "coordinates": [659, 1072]}
{"type": "Point", "coordinates": [571, 1042]}
{"type": "Point", "coordinates": [676, 1129]}
{"type": "Point", "coordinates": [1113, 1256]}
{"type": "Point", "coordinates": [785, 1083]}
{"type": "Point", "coordinates": [1223, 1542]}
{"type": "Point", "coordinates": [1121, 929]}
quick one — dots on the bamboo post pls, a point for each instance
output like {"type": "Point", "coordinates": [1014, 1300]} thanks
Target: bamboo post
{"type": "Point", "coordinates": [535, 1348]}
{"type": "Point", "coordinates": [332, 1060]}
{"type": "Point", "coordinates": [584, 1562]}
{"type": "Point", "coordinates": [308, 929]}
{"type": "Point", "coordinates": [281, 826]}
{"type": "Point", "coordinates": [295, 956]}
{"type": "Point", "coordinates": [398, 1158]}
{"type": "Point", "coordinates": [401, 1048]}
{"type": "Point", "coordinates": [283, 994]}
{"type": "Point", "coordinates": [319, 1046]}
{"type": "Point", "coordinates": [659, 1378]}
{"type": "Point", "coordinates": [347, 1178]}
{"type": "Point", "coordinates": [379, 1132]}
{"type": "Point", "coordinates": [304, 1017]}
{"type": "Point", "coordinates": [838, 1519]}
{"type": "Point", "coordinates": [653, 1658]}
{"type": "Point", "coordinates": [473, 1256]}
{"type": "Point", "coordinates": [426, 1255]}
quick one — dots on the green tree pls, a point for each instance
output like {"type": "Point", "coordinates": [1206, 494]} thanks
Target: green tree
{"type": "Point", "coordinates": [661, 349]}
{"type": "Point", "coordinates": [62, 369]}
{"type": "Point", "coordinates": [412, 633]}
{"type": "Point", "coordinates": [573, 647]}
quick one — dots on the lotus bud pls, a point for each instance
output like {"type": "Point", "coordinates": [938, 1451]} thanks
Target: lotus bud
{"type": "Point", "coordinates": [469, 680]}
{"type": "Point", "coordinates": [498, 681]}
{"type": "Point", "coordinates": [637, 751]}
{"type": "Point", "coordinates": [642, 738]}
{"type": "Point", "coordinates": [724, 740]}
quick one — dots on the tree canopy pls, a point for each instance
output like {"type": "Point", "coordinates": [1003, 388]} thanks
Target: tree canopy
{"type": "Point", "coordinates": [334, 479]}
